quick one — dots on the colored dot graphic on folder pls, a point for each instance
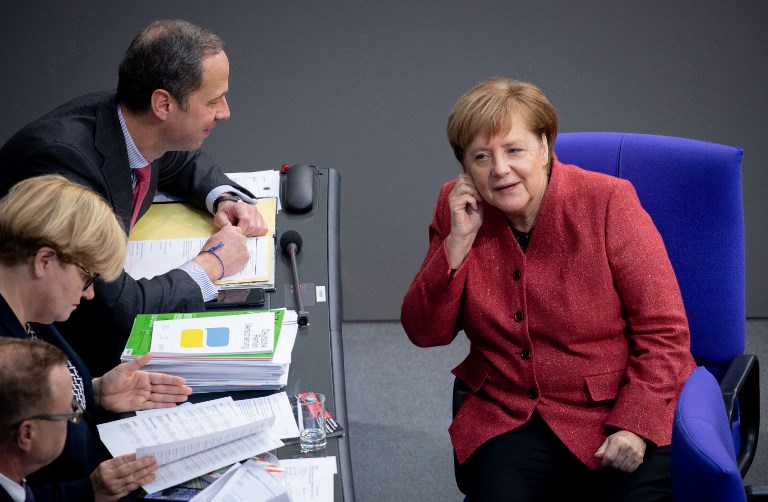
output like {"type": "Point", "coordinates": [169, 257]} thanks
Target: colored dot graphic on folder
{"type": "Point", "coordinates": [193, 338]}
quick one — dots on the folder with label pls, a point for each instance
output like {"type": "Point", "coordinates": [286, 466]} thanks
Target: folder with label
{"type": "Point", "coordinates": [206, 349]}
{"type": "Point", "coordinates": [171, 234]}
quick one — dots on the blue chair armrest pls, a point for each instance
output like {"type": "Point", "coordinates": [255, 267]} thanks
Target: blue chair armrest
{"type": "Point", "coordinates": [740, 387]}
{"type": "Point", "coordinates": [703, 456]}
{"type": "Point", "coordinates": [757, 492]}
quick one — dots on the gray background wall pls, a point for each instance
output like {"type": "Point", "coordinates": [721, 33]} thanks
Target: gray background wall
{"type": "Point", "coordinates": [365, 88]}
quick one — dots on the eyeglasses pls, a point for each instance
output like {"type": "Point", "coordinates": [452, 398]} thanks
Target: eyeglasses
{"type": "Point", "coordinates": [88, 277]}
{"type": "Point", "coordinates": [74, 418]}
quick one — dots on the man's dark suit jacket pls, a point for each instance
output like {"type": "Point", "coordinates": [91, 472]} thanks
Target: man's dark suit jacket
{"type": "Point", "coordinates": [4, 497]}
{"type": "Point", "coordinates": [83, 141]}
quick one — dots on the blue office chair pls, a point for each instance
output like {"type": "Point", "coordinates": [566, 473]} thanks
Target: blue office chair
{"type": "Point", "coordinates": [692, 190]}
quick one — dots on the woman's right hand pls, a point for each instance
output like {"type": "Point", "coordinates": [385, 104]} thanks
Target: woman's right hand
{"type": "Point", "coordinates": [115, 478]}
{"type": "Point", "coordinates": [466, 219]}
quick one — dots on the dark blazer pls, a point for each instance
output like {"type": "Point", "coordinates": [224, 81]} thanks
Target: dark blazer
{"type": "Point", "coordinates": [587, 327]}
{"type": "Point", "coordinates": [83, 141]}
{"type": "Point", "coordinates": [67, 477]}
{"type": "Point", "coordinates": [4, 497]}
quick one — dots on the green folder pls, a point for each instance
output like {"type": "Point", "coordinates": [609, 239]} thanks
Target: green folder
{"type": "Point", "coordinates": [140, 339]}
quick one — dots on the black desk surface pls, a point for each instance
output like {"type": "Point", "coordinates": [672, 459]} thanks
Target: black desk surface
{"type": "Point", "coordinates": [317, 360]}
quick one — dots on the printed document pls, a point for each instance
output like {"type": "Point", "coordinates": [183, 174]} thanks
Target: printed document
{"type": "Point", "coordinates": [246, 482]}
{"type": "Point", "coordinates": [310, 479]}
{"type": "Point", "coordinates": [189, 441]}
{"type": "Point", "coordinates": [169, 235]}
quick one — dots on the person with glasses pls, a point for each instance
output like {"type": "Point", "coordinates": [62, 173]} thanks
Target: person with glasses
{"type": "Point", "coordinates": [36, 402]}
{"type": "Point", "coordinates": [56, 238]}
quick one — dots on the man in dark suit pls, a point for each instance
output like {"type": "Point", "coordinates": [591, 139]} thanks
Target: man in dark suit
{"type": "Point", "coordinates": [35, 405]}
{"type": "Point", "coordinates": [171, 92]}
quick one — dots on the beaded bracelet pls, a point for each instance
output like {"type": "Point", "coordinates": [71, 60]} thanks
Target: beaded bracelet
{"type": "Point", "coordinates": [212, 251]}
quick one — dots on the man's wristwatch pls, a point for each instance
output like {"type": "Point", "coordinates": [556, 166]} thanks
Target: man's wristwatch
{"type": "Point", "coordinates": [222, 198]}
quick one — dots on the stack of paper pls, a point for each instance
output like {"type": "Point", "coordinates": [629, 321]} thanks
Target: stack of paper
{"type": "Point", "coordinates": [194, 439]}
{"type": "Point", "coordinates": [170, 235]}
{"type": "Point", "coordinates": [218, 351]}
{"type": "Point", "coordinates": [244, 482]}
{"type": "Point", "coordinates": [300, 479]}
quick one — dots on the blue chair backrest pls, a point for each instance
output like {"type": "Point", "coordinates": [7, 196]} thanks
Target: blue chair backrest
{"type": "Point", "coordinates": [692, 190]}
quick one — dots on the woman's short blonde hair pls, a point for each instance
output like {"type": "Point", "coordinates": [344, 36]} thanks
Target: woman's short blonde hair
{"type": "Point", "coordinates": [77, 222]}
{"type": "Point", "coordinates": [490, 107]}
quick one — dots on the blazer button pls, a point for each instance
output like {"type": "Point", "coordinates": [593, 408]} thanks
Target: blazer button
{"type": "Point", "coordinates": [516, 275]}
{"type": "Point", "coordinates": [525, 354]}
{"type": "Point", "coordinates": [518, 316]}
{"type": "Point", "coordinates": [533, 393]}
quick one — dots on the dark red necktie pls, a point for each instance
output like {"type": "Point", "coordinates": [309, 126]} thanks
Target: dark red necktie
{"type": "Point", "coordinates": [140, 190]}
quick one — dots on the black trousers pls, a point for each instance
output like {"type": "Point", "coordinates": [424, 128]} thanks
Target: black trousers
{"type": "Point", "coordinates": [531, 463]}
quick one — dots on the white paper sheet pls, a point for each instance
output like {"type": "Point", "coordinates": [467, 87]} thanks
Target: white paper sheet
{"type": "Point", "coordinates": [204, 462]}
{"type": "Point", "coordinates": [276, 405]}
{"type": "Point", "coordinates": [208, 493]}
{"type": "Point", "coordinates": [251, 483]}
{"type": "Point", "coordinates": [310, 479]}
{"type": "Point", "coordinates": [259, 183]}
{"type": "Point", "coordinates": [150, 258]}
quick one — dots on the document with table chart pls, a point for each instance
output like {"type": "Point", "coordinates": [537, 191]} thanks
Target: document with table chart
{"type": "Point", "coordinates": [191, 440]}
{"type": "Point", "coordinates": [194, 439]}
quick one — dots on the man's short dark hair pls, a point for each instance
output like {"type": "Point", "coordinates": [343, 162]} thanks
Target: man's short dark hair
{"type": "Point", "coordinates": [167, 54]}
{"type": "Point", "coordinates": [25, 366]}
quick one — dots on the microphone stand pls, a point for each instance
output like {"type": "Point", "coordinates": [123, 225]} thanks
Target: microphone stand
{"type": "Point", "coordinates": [303, 316]}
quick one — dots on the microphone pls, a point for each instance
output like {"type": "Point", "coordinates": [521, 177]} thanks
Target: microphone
{"type": "Point", "coordinates": [291, 243]}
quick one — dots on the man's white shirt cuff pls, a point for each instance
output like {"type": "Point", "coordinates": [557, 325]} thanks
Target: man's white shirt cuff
{"type": "Point", "coordinates": [198, 275]}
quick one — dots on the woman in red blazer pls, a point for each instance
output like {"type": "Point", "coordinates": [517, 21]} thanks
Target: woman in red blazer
{"type": "Point", "coordinates": [561, 282]}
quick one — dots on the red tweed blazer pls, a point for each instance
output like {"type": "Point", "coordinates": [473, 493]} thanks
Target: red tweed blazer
{"type": "Point", "coordinates": [587, 327]}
